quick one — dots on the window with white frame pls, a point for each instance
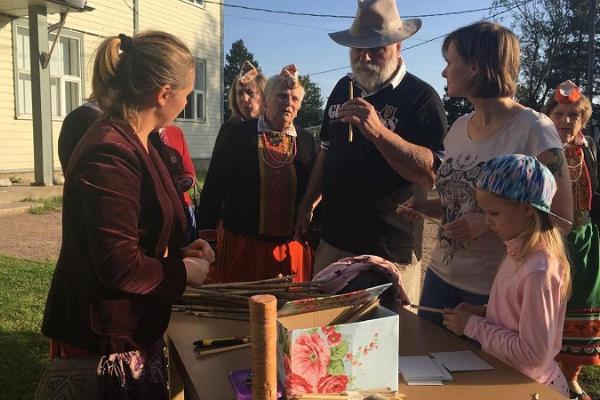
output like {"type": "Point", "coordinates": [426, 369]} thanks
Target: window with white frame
{"type": "Point", "coordinates": [195, 108]}
{"type": "Point", "coordinates": [65, 72]}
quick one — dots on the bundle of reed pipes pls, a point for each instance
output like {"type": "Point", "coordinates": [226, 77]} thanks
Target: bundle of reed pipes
{"type": "Point", "coordinates": [230, 300]}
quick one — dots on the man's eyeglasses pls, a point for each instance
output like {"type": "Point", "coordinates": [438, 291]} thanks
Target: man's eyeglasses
{"type": "Point", "coordinates": [372, 52]}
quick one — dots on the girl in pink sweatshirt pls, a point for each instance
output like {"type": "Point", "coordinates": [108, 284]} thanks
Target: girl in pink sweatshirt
{"type": "Point", "coordinates": [522, 323]}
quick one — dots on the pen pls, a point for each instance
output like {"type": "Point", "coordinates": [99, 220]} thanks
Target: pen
{"type": "Point", "coordinates": [221, 342]}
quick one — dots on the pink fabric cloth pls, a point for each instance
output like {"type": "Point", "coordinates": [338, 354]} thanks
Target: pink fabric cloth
{"type": "Point", "coordinates": [525, 316]}
{"type": "Point", "coordinates": [340, 273]}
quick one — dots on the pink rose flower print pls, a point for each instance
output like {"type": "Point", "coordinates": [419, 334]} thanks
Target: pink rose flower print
{"type": "Point", "coordinates": [295, 384]}
{"type": "Point", "coordinates": [328, 329]}
{"type": "Point", "coordinates": [332, 384]}
{"type": "Point", "coordinates": [310, 357]}
{"type": "Point", "coordinates": [334, 338]}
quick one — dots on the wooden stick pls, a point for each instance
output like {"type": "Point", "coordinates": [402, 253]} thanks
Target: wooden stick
{"type": "Point", "coordinates": [238, 317]}
{"type": "Point", "coordinates": [263, 337]}
{"type": "Point", "coordinates": [422, 215]}
{"type": "Point", "coordinates": [351, 96]}
{"type": "Point", "coordinates": [287, 278]}
{"type": "Point", "coordinates": [204, 353]}
{"type": "Point", "coordinates": [429, 309]}
{"type": "Point", "coordinates": [343, 317]}
{"type": "Point", "coordinates": [354, 313]}
{"type": "Point", "coordinates": [209, 308]}
{"type": "Point", "coordinates": [363, 310]}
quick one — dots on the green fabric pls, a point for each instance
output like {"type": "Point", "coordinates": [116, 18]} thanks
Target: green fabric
{"type": "Point", "coordinates": [584, 249]}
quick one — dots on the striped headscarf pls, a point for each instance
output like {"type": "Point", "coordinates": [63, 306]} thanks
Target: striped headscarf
{"type": "Point", "coordinates": [521, 178]}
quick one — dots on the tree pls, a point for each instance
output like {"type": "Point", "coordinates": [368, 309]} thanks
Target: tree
{"type": "Point", "coordinates": [311, 112]}
{"type": "Point", "coordinates": [455, 106]}
{"type": "Point", "coordinates": [233, 63]}
{"type": "Point", "coordinates": [554, 47]}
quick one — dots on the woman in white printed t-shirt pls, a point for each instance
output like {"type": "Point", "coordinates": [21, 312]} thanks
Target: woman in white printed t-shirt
{"type": "Point", "coordinates": [483, 66]}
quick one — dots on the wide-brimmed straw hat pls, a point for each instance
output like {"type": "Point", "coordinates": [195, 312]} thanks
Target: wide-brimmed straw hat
{"type": "Point", "coordinates": [377, 23]}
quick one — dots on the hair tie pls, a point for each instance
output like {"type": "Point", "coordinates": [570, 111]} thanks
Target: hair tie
{"type": "Point", "coordinates": [567, 93]}
{"type": "Point", "coordinates": [126, 43]}
{"type": "Point", "coordinates": [289, 76]}
{"type": "Point", "coordinates": [247, 73]}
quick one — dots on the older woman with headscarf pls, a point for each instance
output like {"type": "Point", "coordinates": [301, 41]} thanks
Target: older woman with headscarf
{"type": "Point", "coordinates": [570, 111]}
{"type": "Point", "coordinates": [256, 177]}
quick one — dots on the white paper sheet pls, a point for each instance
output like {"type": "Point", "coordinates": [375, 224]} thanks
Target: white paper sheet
{"type": "Point", "coordinates": [424, 383]}
{"type": "Point", "coordinates": [461, 361]}
{"type": "Point", "coordinates": [421, 369]}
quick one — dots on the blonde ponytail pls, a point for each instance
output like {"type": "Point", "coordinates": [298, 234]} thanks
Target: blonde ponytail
{"type": "Point", "coordinates": [106, 62]}
{"type": "Point", "coordinates": [127, 71]}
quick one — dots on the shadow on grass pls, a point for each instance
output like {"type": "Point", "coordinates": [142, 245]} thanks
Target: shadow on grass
{"type": "Point", "coordinates": [24, 356]}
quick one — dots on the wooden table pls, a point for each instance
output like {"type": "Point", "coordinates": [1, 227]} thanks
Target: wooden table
{"type": "Point", "coordinates": [206, 379]}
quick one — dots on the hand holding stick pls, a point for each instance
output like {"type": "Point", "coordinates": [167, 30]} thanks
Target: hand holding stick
{"type": "Point", "coordinates": [418, 213]}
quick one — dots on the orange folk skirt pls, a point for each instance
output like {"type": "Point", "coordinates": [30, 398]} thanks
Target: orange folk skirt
{"type": "Point", "coordinates": [240, 258]}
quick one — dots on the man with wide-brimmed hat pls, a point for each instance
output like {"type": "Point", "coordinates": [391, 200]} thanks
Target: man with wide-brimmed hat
{"type": "Point", "coordinates": [398, 127]}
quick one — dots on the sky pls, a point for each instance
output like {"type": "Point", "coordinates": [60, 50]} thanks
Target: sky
{"type": "Point", "coordinates": [277, 40]}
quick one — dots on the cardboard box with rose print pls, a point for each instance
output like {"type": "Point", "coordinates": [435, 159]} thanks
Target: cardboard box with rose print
{"type": "Point", "coordinates": [315, 357]}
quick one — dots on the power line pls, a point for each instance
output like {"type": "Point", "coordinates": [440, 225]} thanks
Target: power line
{"type": "Point", "coordinates": [282, 23]}
{"type": "Point", "coordinates": [431, 40]}
{"type": "Point", "coordinates": [267, 10]}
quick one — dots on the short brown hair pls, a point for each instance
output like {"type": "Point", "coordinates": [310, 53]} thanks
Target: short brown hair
{"type": "Point", "coordinates": [260, 81]}
{"type": "Point", "coordinates": [583, 105]}
{"type": "Point", "coordinates": [495, 50]}
{"type": "Point", "coordinates": [127, 70]}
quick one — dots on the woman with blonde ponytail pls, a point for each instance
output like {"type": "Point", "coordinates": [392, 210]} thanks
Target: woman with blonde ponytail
{"type": "Point", "coordinates": [522, 323]}
{"type": "Point", "coordinates": [120, 266]}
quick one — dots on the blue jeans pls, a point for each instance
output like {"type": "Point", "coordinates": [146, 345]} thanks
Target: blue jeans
{"type": "Point", "coordinates": [439, 294]}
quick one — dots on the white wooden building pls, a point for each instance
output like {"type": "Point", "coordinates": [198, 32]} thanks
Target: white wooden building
{"type": "Point", "coordinates": [25, 132]}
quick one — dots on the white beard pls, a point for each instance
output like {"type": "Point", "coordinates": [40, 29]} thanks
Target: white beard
{"type": "Point", "coordinates": [371, 76]}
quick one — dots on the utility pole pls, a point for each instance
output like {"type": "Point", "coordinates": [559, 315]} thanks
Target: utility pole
{"type": "Point", "coordinates": [592, 45]}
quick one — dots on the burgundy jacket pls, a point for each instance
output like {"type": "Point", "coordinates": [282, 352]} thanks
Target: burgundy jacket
{"type": "Point", "coordinates": [113, 288]}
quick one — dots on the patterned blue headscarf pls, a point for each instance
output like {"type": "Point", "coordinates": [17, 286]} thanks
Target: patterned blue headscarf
{"type": "Point", "coordinates": [521, 178]}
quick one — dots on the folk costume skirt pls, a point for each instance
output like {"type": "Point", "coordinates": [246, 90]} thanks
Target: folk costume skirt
{"type": "Point", "coordinates": [240, 258]}
{"type": "Point", "coordinates": [75, 373]}
{"type": "Point", "coordinates": [581, 334]}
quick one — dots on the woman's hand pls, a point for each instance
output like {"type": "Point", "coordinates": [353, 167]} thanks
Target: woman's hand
{"type": "Point", "coordinates": [456, 319]}
{"type": "Point", "coordinates": [473, 309]}
{"type": "Point", "coordinates": [303, 217]}
{"type": "Point", "coordinates": [409, 209]}
{"type": "Point", "coordinates": [199, 249]}
{"type": "Point", "coordinates": [196, 270]}
{"type": "Point", "coordinates": [467, 227]}
{"type": "Point", "coordinates": [414, 208]}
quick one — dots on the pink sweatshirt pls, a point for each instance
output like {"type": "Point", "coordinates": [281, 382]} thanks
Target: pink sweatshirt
{"type": "Point", "coordinates": [525, 315]}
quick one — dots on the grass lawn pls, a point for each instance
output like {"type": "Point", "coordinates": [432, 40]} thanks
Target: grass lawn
{"type": "Point", "coordinates": [23, 350]}
{"type": "Point", "coordinates": [46, 206]}
{"type": "Point", "coordinates": [590, 381]}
